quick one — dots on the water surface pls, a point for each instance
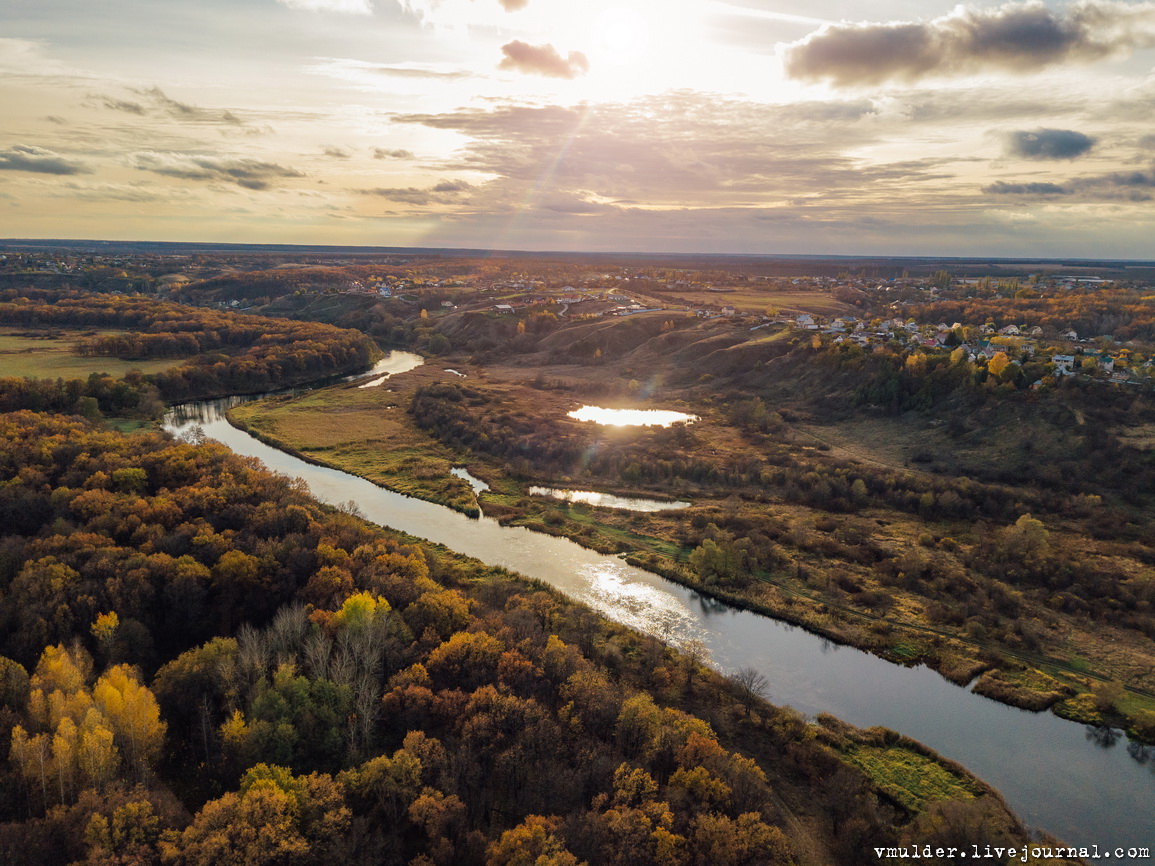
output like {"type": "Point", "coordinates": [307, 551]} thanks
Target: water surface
{"type": "Point", "coordinates": [609, 500]}
{"type": "Point", "coordinates": [392, 364]}
{"type": "Point", "coordinates": [631, 417]}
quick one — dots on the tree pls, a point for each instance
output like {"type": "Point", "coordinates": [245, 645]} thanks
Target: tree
{"type": "Point", "coordinates": [751, 686]}
{"type": "Point", "coordinates": [134, 716]}
{"type": "Point", "coordinates": [275, 818]}
{"type": "Point", "coordinates": [533, 842]}
{"type": "Point", "coordinates": [998, 363]}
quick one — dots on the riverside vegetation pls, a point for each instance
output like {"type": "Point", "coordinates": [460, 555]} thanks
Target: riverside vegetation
{"type": "Point", "coordinates": [203, 665]}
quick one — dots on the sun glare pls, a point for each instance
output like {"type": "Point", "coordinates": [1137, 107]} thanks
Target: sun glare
{"type": "Point", "coordinates": [620, 36]}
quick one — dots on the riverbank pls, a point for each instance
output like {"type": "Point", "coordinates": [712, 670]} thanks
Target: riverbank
{"type": "Point", "coordinates": [825, 575]}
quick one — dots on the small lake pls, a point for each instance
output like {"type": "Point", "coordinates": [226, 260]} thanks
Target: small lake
{"type": "Point", "coordinates": [631, 417]}
{"type": "Point", "coordinates": [392, 364]}
{"type": "Point", "coordinates": [608, 500]}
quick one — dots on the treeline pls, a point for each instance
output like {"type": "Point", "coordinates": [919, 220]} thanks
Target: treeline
{"type": "Point", "coordinates": [99, 394]}
{"type": "Point", "coordinates": [205, 666]}
{"type": "Point", "coordinates": [231, 353]}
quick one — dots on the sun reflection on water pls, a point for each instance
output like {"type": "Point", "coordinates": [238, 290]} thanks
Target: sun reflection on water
{"type": "Point", "coordinates": [646, 608]}
{"type": "Point", "coordinates": [631, 417]}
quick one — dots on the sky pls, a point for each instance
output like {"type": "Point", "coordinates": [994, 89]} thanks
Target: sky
{"type": "Point", "coordinates": [897, 127]}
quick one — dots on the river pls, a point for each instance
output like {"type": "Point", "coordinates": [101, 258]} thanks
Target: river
{"type": "Point", "coordinates": [1052, 772]}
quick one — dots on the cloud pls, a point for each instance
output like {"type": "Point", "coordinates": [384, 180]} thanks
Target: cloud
{"type": "Point", "coordinates": [369, 75]}
{"type": "Point", "coordinates": [336, 153]}
{"type": "Point", "coordinates": [347, 7]}
{"type": "Point", "coordinates": [1004, 188]}
{"type": "Point", "coordinates": [184, 111]}
{"type": "Point", "coordinates": [542, 60]}
{"type": "Point", "coordinates": [382, 153]}
{"type": "Point", "coordinates": [679, 149]}
{"type": "Point", "coordinates": [122, 105]}
{"type": "Point", "coordinates": [445, 192]}
{"type": "Point", "coordinates": [1048, 144]}
{"type": "Point", "coordinates": [1147, 142]}
{"type": "Point", "coordinates": [22, 157]}
{"type": "Point", "coordinates": [157, 102]}
{"type": "Point", "coordinates": [513, 5]}
{"type": "Point", "coordinates": [116, 192]}
{"type": "Point", "coordinates": [1133, 186]}
{"type": "Point", "coordinates": [417, 72]}
{"type": "Point", "coordinates": [248, 173]}
{"type": "Point", "coordinates": [1017, 37]}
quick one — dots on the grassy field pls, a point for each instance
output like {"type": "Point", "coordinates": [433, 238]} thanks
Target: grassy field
{"type": "Point", "coordinates": [46, 357]}
{"type": "Point", "coordinates": [365, 431]}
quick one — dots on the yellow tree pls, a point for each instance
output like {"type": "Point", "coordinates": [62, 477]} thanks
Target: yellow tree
{"type": "Point", "coordinates": [134, 716]}
{"type": "Point", "coordinates": [533, 842]}
{"type": "Point", "coordinates": [998, 363]}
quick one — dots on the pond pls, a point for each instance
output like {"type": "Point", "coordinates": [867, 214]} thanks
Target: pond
{"type": "Point", "coordinates": [631, 417]}
{"type": "Point", "coordinates": [392, 364]}
{"type": "Point", "coordinates": [609, 500]}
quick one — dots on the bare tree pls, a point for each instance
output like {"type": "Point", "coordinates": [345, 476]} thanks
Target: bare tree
{"type": "Point", "coordinates": [751, 686]}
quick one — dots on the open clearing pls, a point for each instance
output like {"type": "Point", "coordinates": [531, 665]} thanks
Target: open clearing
{"type": "Point", "coordinates": [25, 353]}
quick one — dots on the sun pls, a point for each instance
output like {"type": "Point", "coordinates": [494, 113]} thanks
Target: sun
{"type": "Point", "coordinates": [620, 36]}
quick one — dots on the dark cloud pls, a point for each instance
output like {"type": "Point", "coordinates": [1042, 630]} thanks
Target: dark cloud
{"type": "Point", "coordinates": [1004, 188]}
{"type": "Point", "coordinates": [445, 192]}
{"type": "Point", "coordinates": [1134, 186]}
{"type": "Point", "coordinates": [122, 105]}
{"type": "Point", "coordinates": [1147, 142]}
{"type": "Point", "coordinates": [248, 173]}
{"type": "Point", "coordinates": [382, 153]}
{"type": "Point", "coordinates": [21, 157]}
{"type": "Point", "coordinates": [1018, 37]}
{"type": "Point", "coordinates": [513, 5]}
{"type": "Point", "coordinates": [184, 111]}
{"type": "Point", "coordinates": [52, 118]}
{"type": "Point", "coordinates": [542, 60]}
{"type": "Point", "coordinates": [156, 102]}
{"type": "Point", "coordinates": [1048, 144]}
{"type": "Point", "coordinates": [336, 153]}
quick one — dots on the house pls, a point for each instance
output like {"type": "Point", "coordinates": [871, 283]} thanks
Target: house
{"type": "Point", "coordinates": [1064, 365]}
{"type": "Point", "coordinates": [728, 311]}
{"type": "Point", "coordinates": [1069, 335]}
{"type": "Point", "coordinates": [1010, 331]}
